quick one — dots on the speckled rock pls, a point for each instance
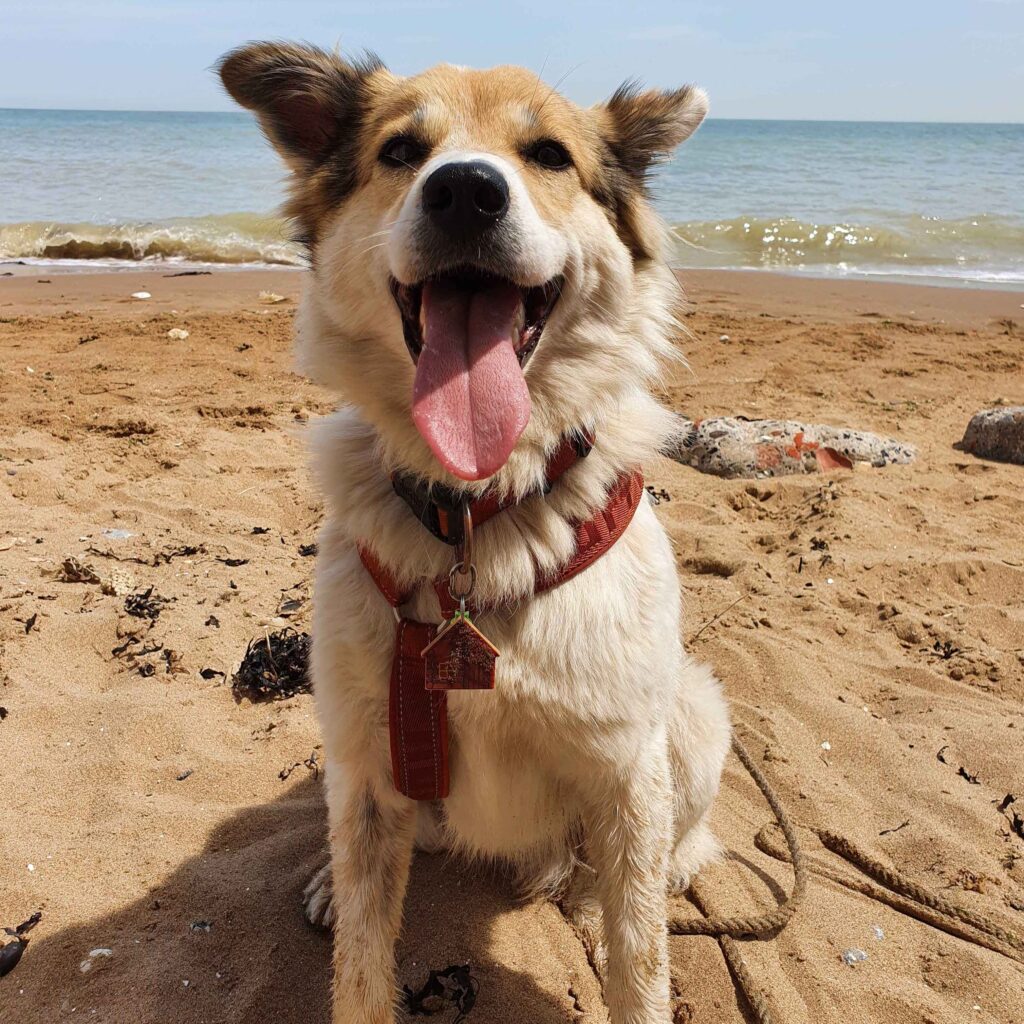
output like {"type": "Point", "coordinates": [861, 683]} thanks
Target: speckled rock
{"type": "Point", "coordinates": [996, 434]}
{"type": "Point", "coordinates": [732, 446]}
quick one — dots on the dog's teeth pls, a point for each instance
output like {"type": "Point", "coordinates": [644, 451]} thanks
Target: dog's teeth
{"type": "Point", "coordinates": [516, 331]}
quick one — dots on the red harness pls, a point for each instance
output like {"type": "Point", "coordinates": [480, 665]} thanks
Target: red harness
{"type": "Point", "coordinates": [418, 716]}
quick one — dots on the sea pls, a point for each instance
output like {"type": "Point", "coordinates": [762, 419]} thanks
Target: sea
{"type": "Point", "coordinates": [939, 203]}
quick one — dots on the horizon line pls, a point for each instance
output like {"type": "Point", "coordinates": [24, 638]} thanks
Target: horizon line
{"type": "Point", "coordinates": [805, 120]}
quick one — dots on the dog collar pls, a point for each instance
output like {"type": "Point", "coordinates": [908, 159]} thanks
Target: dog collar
{"type": "Point", "coordinates": [439, 508]}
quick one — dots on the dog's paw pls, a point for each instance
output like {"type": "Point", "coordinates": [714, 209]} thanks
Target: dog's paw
{"type": "Point", "coordinates": [695, 851]}
{"type": "Point", "coordinates": [318, 899]}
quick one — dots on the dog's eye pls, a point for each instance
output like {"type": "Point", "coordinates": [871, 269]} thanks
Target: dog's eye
{"type": "Point", "coordinates": [549, 154]}
{"type": "Point", "coordinates": [403, 151]}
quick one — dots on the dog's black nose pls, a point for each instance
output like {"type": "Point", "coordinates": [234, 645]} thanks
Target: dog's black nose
{"type": "Point", "coordinates": [465, 199]}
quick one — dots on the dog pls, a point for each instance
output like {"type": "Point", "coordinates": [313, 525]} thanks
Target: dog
{"type": "Point", "coordinates": [486, 277]}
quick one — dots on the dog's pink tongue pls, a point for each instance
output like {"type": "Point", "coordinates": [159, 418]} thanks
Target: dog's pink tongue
{"type": "Point", "coordinates": [470, 401]}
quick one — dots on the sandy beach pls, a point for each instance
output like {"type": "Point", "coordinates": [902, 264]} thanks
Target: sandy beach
{"type": "Point", "coordinates": [868, 626]}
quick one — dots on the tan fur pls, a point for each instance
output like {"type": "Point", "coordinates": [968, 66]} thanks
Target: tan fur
{"type": "Point", "coordinates": [602, 741]}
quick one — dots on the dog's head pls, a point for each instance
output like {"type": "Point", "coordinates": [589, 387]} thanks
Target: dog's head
{"type": "Point", "coordinates": [487, 271]}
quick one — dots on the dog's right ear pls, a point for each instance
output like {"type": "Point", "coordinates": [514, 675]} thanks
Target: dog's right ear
{"type": "Point", "coordinates": [302, 95]}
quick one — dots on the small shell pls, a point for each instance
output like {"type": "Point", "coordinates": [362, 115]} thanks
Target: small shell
{"type": "Point", "coordinates": [96, 960]}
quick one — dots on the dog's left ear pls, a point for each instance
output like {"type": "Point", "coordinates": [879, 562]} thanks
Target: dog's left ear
{"type": "Point", "coordinates": [305, 97]}
{"type": "Point", "coordinates": [642, 127]}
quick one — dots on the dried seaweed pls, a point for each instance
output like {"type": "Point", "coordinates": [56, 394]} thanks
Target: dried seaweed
{"type": "Point", "coordinates": [970, 777]}
{"type": "Point", "coordinates": [74, 571]}
{"type": "Point", "coordinates": [1015, 819]}
{"type": "Point", "coordinates": [311, 763]}
{"type": "Point", "coordinates": [145, 605]}
{"type": "Point", "coordinates": [274, 667]}
{"type": "Point", "coordinates": [182, 551]}
{"type": "Point", "coordinates": [898, 828]}
{"type": "Point", "coordinates": [11, 951]}
{"type": "Point", "coordinates": [453, 987]}
{"type": "Point", "coordinates": [307, 550]}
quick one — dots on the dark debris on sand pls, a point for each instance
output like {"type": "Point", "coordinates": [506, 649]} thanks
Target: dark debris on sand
{"type": "Point", "coordinates": [453, 987]}
{"type": "Point", "coordinates": [145, 605]}
{"type": "Point", "coordinates": [13, 943]}
{"type": "Point", "coordinates": [274, 667]}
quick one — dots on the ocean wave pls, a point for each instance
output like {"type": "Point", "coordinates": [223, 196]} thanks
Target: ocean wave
{"type": "Point", "coordinates": [981, 247]}
{"type": "Point", "coordinates": [227, 238]}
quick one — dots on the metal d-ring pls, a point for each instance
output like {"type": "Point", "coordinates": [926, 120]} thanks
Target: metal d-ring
{"type": "Point", "coordinates": [462, 577]}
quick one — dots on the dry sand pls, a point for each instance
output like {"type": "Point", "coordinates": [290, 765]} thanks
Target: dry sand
{"type": "Point", "coordinates": [831, 594]}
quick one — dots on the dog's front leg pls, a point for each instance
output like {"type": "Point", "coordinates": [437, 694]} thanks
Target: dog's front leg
{"type": "Point", "coordinates": [372, 829]}
{"type": "Point", "coordinates": [628, 829]}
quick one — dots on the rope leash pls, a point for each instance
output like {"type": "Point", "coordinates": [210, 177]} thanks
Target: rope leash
{"type": "Point", "coordinates": [890, 887]}
{"type": "Point", "coordinates": [903, 894]}
{"type": "Point", "coordinates": [762, 926]}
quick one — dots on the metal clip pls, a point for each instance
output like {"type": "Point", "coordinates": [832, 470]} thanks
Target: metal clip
{"type": "Point", "coordinates": [462, 577]}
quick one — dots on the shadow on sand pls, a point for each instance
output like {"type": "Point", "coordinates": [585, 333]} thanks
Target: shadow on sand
{"type": "Point", "coordinates": [261, 961]}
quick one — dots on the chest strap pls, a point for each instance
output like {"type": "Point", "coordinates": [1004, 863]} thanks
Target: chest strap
{"type": "Point", "coordinates": [418, 717]}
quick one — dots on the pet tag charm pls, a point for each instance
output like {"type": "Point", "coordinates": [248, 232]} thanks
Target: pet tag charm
{"type": "Point", "coordinates": [460, 657]}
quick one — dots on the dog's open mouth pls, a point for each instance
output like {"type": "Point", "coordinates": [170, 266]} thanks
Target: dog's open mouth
{"type": "Point", "coordinates": [537, 305]}
{"type": "Point", "coordinates": [470, 334]}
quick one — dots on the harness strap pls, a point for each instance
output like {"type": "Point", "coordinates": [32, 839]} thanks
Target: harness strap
{"type": "Point", "coordinates": [418, 718]}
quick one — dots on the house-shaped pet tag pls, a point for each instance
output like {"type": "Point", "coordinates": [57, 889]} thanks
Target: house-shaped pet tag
{"type": "Point", "coordinates": [459, 657]}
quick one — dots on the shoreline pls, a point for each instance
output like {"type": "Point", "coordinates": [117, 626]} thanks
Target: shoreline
{"type": "Point", "coordinates": [37, 290]}
{"type": "Point", "coordinates": [27, 266]}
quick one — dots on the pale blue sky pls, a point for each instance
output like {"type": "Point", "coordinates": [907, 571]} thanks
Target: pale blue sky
{"type": "Point", "coordinates": [945, 60]}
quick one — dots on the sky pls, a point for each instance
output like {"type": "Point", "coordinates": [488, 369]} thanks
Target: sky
{"type": "Point", "coordinates": [944, 60]}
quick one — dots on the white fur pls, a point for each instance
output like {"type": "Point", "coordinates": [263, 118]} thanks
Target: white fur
{"type": "Point", "coordinates": [602, 741]}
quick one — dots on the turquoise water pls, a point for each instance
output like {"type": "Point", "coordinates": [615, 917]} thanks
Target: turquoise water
{"type": "Point", "coordinates": [938, 201]}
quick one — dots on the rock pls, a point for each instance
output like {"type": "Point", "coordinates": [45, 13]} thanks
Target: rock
{"type": "Point", "coordinates": [731, 446]}
{"type": "Point", "coordinates": [97, 960]}
{"type": "Point", "coordinates": [996, 434]}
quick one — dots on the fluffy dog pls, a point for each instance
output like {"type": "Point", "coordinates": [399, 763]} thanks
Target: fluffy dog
{"type": "Point", "coordinates": [486, 277]}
